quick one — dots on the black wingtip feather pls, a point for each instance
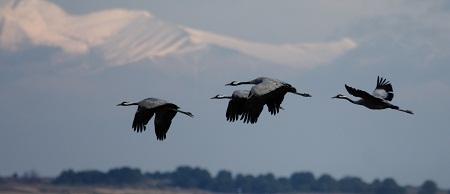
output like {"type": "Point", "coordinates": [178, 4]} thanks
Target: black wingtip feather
{"type": "Point", "coordinates": [161, 137]}
{"type": "Point", "coordinates": [386, 85]}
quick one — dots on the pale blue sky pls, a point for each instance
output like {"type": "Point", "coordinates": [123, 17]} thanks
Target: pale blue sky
{"type": "Point", "coordinates": [54, 118]}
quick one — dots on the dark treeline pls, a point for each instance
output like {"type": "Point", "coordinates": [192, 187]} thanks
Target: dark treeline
{"type": "Point", "coordinates": [225, 182]}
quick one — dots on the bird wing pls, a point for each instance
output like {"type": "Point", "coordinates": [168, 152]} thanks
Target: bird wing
{"type": "Point", "coordinates": [163, 119]}
{"type": "Point", "coordinates": [252, 112]}
{"type": "Point", "coordinates": [384, 89]}
{"type": "Point", "coordinates": [362, 94]}
{"type": "Point", "coordinates": [272, 92]}
{"type": "Point", "coordinates": [141, 118]}
{"type": "Point", "coordinates": [274, 100]}
{"type": "Point", "coordinates": [276, 97]}
{"type": "Point", "coordinates": [236, 107]}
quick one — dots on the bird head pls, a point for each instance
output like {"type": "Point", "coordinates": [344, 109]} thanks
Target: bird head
{"type": "Point", "coordinates": [122, 103]}
{"type": "Point", "coordinates": [233, 83]}
{"type": "Point", "coordinates": [340, 96]}
{"type": "Point", "coordinates": [290, 88]}
{"type": "Point", "coordinates": [218, 96]}
{"type": "Point", "coordinates": [305, 95]}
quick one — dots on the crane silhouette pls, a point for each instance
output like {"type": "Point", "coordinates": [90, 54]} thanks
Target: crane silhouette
{"type": "Point", "coordinates": [266, 91]}
{"type": "Point", "coordinates": [379, 99]}
{"type": "Point", "coordinates": [236, 105]}
{"type": "Point", "coordinates": [164, 113]}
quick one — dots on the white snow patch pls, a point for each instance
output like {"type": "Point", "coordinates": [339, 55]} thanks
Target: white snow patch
{"type": "Point", "coordinates": [123, 36]}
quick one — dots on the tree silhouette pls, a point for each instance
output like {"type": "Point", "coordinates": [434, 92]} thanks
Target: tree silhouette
{"type": "Point", "coordinates": [302, 181]}
{"type": "Point", "coordinates": [188, 177]}
{"type": "Point", "coordinates": [124, 175]}
{"type": "Point", "coordinates": [223, 182]}
{"type": "Point", "coordinates": [284, 185]}
{"type": "Point", "coordinates": [326, 183]}
{"type": "Point", "coordinates": [353, 185]}
{"type": "Point", "coordinates": [244, 183]}
{"type": "Point", "coordinates": [428, 187]}
{"type": "Point", "coordinates": [389, 186]}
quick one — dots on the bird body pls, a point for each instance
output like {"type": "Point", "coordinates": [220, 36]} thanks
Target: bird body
{"type": "Point", "coordinates": [265, 87]}
{"type": "Point", "coordinates": [150, 103]}
{"type": "Point", "coordinates": [376, 105]}
{"type": "Point", "coordinates": [164, 113]}
{"type": "Point", "coordinates": [379, 99]}
{"type": "Point", "coordinates": [240, 94]}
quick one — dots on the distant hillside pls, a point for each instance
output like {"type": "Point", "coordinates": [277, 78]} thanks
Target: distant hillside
{"type": "Point", "coordinates": [122, 37]}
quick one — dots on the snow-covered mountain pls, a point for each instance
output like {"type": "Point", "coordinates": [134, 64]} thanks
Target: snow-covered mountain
{"type": "Point", "coordinates": [122, 37]}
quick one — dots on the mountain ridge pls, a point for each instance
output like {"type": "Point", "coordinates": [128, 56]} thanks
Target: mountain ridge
{"type": "Point", "coordinates": [123, 37]}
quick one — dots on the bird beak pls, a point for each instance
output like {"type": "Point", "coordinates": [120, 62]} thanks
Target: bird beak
{"type": "Point", "coordinates": [303, 94]}
{"type": "Point", "coordinates": [231, 83]}
{"type": "Point", "coordinates": [121, 104]}
{"type": "Point", "coordinates": [213, 97]}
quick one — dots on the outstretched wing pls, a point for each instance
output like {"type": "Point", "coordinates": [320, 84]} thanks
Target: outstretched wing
{"type": "Point", "coordinates": [141, 119]}
{"type": "Point", "coordinates": [252, 111]}
{"type": "Point", "coordinates": [383, 89]}
{"type": "Point", "coordinates": [274, 99]}
{"type": "Point", "coordinates": [272, 91]}
{"type": "Point", "coordinates": [163, 119]}
{"type": "Point", "coordinates": [362, 94]}
{"type": "Point", "coordinates": [236, 107]}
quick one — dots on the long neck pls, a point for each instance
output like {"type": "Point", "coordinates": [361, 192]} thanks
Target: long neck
{"type": "Point", "coordinates": [302, 94]}
{"type": "Point", "coordinates": [348, 99]}
{"type": "Point", "coordinates": [129, 104]}
{"type": "Point", "coordinates": [223, 97]}
{"type": "Point", "coordinates": [242, 83]}
{"type": "Point", "coordinates": [184, 112]}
